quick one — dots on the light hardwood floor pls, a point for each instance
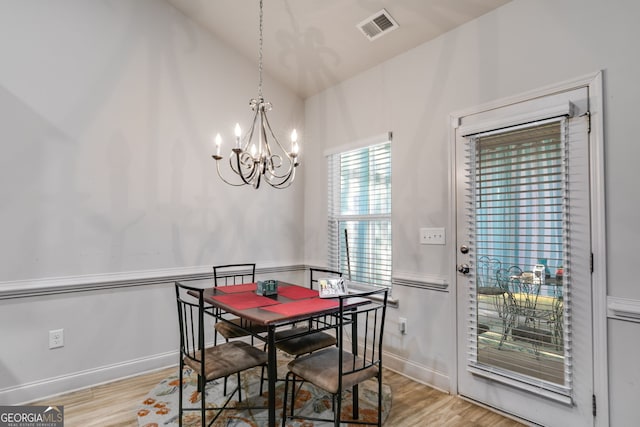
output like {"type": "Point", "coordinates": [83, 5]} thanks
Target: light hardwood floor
{"type": "Point", "coordinates": [413, 404]}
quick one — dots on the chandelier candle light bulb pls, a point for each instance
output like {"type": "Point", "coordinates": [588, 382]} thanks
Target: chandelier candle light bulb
{"type": "Point", "coordinates": [218, 142]}
{"type": "Point", "coordinates": [238, 133]}
{"type": "Point", "coordinates": [294, 143]}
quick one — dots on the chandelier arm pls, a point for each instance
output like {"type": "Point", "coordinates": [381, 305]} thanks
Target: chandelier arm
{"type": "Point", "coordinates": [231, 165]}
{"type": "Point", "coordinates": [284, 183]}
{"type": "Point", "coordinates": [291, 160]}
{"type": "Point", "coordinates": [256, 181]}
{"type": "Point", "coordinates": [224, 179]}
{"type": "Point", "coordinates": [263, 131]}
{"type": "Point", "coordinates": [280, 181]}
{"type": "Point", "coordinates": [274, 162]}
{"type": "Point", "coordinates": [245, 162]}
{"type": "Point", "coordinates": [268, 126]}
{"type": "Point", "coordinates": [236, 167]}
{"type": "Point", "coordinates": [255, 172]}
{"type": "Point", "coordinates": [244, 167]}
{"type": "Point", "coordinates": [273, 168]}
{"type": "Point", "coordinates": [249, 135]}
{"type": "Point", "coordinates": [265, 149]}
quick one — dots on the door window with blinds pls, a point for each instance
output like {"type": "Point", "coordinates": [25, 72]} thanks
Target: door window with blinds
{"type": "Point", "coordinates": [519, 192]}
{"type": "Point", "coordinates": [524, 254]}
{"type": "Point", "coordinates": [359, 191]}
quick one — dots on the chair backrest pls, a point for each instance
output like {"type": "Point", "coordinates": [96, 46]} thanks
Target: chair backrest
{"type": "Point", "coordinates": [234, 274]}
{"type": "Point", "coordinates": [361, 330]}
{"type": "Point", "coordinates": [321, 273]}
{"type": "Point", "coordinates": [191, 320]}
{"type": "Point", "coordinates": [487, 271]}
{"type": "Point", "coordinates": [507, 277]}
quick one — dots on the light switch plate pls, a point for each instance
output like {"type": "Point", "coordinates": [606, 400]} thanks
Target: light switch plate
{"type": "Point", "coordinates": [432, 236]}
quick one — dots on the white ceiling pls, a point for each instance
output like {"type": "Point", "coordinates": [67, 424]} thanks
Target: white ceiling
{"type": "Point", "coordinates": [310, 45]}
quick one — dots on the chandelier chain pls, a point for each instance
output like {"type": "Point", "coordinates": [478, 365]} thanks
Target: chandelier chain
{"type": "Point", "coordinates": [260, 56]}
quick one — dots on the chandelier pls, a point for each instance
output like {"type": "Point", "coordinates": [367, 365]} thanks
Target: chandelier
{"type": "Point", "coordinates": [258, 155]}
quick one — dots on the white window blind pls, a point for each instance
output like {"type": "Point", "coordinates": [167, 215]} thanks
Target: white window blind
{"type": "Point", "coordinates": [359, 190]}
{"type": "Point", "coordinates": [520, 196]}
{"type": "Point", "coordinates": [519, 214]}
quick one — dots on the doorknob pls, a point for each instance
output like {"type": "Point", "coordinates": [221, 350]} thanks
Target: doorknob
{"type": "Point", "coordinates": [463, 268]}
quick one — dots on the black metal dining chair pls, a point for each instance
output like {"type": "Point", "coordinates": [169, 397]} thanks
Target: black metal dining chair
{"type": "Point", "coordinates": [309, 337]}
{"type": "Point", "coordinates": [228, 326]}
{"type": "Point", "coordinates": [316, 273]}
{"type": "Point", "coordinates": [231, 327]}
{"type": "Point", "coordinates": [356, 358]}
{"type": "Point", "coordinates": [210, 363]}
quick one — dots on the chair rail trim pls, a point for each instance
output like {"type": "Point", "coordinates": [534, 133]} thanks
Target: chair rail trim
{"type": "Point", "coordinates": [92, 282]}
{"type": "Point", "coordinates": [623, 309]}
{"type": "Point", "coordinates": [432, 282]}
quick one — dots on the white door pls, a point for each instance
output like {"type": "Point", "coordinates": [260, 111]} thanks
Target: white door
{"type": "Point", "coordinates": [524, 259]}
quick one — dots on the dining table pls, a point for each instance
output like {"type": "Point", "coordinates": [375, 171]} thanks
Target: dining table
{"type": "Point", "coordinates": [289, 305]}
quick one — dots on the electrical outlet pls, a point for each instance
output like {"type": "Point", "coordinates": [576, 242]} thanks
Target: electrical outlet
{"type": "Point", "coordinates": [56, 338]}
{"type": "Point", "coordinates": [432, 236]}
{"type": "Point", "coordinates": [402, 325]}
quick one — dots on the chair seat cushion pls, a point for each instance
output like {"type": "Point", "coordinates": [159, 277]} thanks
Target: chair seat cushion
{"type": "Point", "coordinates": [321, 369]}
{"type": "Point", "coordinates": [236, 328]}
{"type": "Point", "coordinates": [303, 344]}
{"type": "Point", "coordinates": [227, 359]}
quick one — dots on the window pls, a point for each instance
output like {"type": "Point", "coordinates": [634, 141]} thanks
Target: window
{"type": "Point", "coordinates": [520, 222]}
{"type": "Point", "coordinates": [360, 213]}
{"type": "Point", "coordinates": [520, 195]}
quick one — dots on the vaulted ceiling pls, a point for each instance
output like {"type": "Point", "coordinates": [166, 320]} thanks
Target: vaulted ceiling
{"type": "Point", "coordinates": [310, 45]}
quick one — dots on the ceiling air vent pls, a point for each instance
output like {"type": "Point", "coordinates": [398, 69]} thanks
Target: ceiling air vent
{"type": "Point", "coordinates": [377, 25]}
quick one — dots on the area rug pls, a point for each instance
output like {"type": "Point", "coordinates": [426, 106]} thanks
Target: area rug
{"type": "Point", "coordinates": [160, 407]}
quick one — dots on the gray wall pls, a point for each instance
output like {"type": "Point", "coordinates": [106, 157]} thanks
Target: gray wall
{"type": "Point", "coordinates": [522, 46]}
{"type": "Point", "coordinates": [107, 112]}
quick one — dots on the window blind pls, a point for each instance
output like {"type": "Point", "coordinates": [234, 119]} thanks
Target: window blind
{"type": "Point", "coordinates": [518, 209]}
{"type": "Point", "coordinates": [520, 196]}
{"type": "Point", "coordinates": [359, 190]}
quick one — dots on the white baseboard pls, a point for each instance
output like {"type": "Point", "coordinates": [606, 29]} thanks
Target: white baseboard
{"type": "Point", "coordinates": [49, 387]}
{"type": "Point", "coordinates": [417, 372]}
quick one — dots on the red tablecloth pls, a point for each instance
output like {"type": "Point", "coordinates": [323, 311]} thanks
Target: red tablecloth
{"type": "Point", "coordinates": [303, 306]}
{"type": "Point", "coordinates": [232, 289]}
{"type": "Point", "coordinates": [296, 292]}
{"type": "Point", "coordinates": [242, 301]}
